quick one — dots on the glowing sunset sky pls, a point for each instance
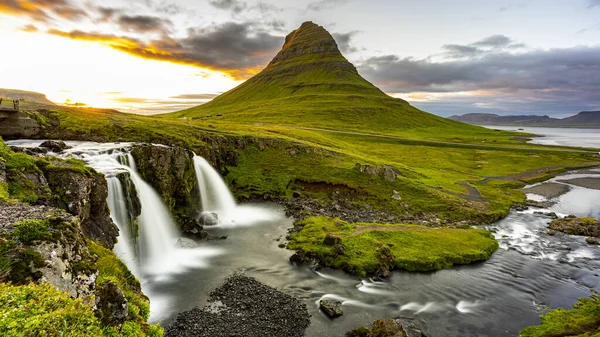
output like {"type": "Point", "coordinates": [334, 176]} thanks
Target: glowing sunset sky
{"type": "Point", "coordinates": [446, 57]}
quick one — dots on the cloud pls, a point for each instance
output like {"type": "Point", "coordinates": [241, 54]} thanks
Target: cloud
{"type": "Point", "coordinates": [107, 13]}
{"type": "Point", "coordinates": [481, 47]}
{"type": "Point", "coordinates": [142, 23]}
{"type": "Point", "coordinates": [343, 41]}
{"type": "Point", "coordinates": [593, 3]}
{"type": "Point", "coordinates": [30, 28]}
{"type": "Point", "coordinates": [325, 4]}
{"type": "Point", "coordinates": [42, 10]}
{"type": "Point", "coordinates": [541, 76]}
{"type": "Point", "coordinates": [234, 48]}
{"type": "Point", "coordinates": [235, 6]}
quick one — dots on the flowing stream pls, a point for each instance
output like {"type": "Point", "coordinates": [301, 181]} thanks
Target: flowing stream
{"type": "Point", "coordinates": [498, 297]}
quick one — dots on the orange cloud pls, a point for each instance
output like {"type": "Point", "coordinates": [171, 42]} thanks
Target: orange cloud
{"type": "Point", "coordinates": [170, 50]}
{"type": "Point", "coordinates": [41, 10]}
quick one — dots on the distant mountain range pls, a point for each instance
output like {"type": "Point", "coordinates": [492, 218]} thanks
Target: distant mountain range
{"type": "Point", "coordinates": [27, 96]}
{"type": "Point", "coordinates": [584, 119]}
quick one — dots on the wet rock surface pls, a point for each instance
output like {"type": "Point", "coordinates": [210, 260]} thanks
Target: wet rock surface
{"type": "Point", "coordinates": [332, 309]}
{"type": "Point", "coordinates": [54, 146]}
{"type": "Point", "coordinates": [170, 171]}
{"type": "Point", "coordinates": [84, 195]}
{"type": "Point", "coordinates": [242, 306]}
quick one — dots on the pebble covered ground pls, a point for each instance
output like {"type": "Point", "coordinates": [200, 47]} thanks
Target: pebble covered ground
{"type": "Point", "coordinates": [243, 307]}
{"type": "Point", "coordinates": [13, 213]}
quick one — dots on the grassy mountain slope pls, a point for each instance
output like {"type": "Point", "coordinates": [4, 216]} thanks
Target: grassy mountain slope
{"type": "Point", "coordinates": [309, 83]}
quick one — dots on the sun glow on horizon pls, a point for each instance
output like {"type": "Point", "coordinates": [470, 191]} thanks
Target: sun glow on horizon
{"type": "Point", "coordinates": [70, 71]}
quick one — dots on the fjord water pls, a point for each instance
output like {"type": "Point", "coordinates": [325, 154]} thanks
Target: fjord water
{"type": "Point", "coordinates": [494, 298]}
{"type": "Point", "coordinates": [558, 136]}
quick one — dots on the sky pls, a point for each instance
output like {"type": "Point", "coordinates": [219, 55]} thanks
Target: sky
{"type": "Point", "coordinates": [446, 57]}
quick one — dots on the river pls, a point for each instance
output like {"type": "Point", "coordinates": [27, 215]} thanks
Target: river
{"type": "Point", "coordinates": [497, 297]}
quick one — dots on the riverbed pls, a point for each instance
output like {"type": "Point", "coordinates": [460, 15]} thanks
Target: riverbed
{"type": "Point", "coordinates": [531, 271]}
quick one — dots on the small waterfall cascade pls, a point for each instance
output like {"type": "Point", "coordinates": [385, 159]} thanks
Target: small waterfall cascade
{"type": "Point", "coordinates": [214, 193]}
{"type": "Point", "coordinates": [157, 228]}
{"type": "Point", "coordinates": [119, 214]}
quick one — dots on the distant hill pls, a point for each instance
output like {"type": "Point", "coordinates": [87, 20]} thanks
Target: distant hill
{"type": "Point", "coordinates": [27, 96]}
{"type": "Point", "coordinates": [309, 83]}
{"type": "Point", "coordinates": [584, 119]}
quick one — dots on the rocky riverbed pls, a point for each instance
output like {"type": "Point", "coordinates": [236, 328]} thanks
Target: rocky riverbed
{"type": "Point", "coordinates": [242, 306]}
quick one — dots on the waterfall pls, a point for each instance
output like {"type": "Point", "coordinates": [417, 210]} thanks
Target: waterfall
{"type": "Point", "coordinates": [214, 194]}
{"type": "Point", "coordinates": [157, 228]}
{"type": "Point", "coordinates": [119, 214]}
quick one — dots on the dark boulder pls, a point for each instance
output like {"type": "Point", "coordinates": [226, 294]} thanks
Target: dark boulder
{"type": "Point", "coordinates": [208, 219]}
{"type": "Point", "coordinates": [331, 308]}
{"type": "Point", "coordinates": [55, 146]}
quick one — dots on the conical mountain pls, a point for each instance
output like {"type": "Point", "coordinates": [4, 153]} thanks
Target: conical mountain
{"type": "Point", "coordinates": [309, 83]}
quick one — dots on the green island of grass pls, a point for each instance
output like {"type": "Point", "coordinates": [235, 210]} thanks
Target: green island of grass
{"type": "Point", "coordinates": [363, 249]}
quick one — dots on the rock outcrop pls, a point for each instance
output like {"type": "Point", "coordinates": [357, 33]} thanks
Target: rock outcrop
{"type": "Point", "coordinates": [387, 172]}
{"type": "Point", "coordinates": [83, 193]}
{"type": "Point", "coordinates": [577, 226]}
{"type": "Point", "coordinates": [111, 304]}
{"type": "Point", "coordinates": [170, 170]}
{"type": "Point", "coordinates": [51, 249]}
{"type": "Point", "coordinates": [18, 125]}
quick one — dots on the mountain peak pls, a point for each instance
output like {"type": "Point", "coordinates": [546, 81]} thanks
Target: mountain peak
{"type": "Point", "coordinates": [309, 39]}
{"type": "Point", "coordinates": [310, 83]}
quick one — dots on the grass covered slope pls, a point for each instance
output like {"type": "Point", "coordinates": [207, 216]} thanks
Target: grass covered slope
{"type": "Point", "coordinates": [366, 249]}
{"type": "Point", "coordinates": [310, 83]}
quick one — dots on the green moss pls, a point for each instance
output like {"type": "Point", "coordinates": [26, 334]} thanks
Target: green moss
{"type": "Point", "coordinates": [582, 320]}
{"type": "Point", "coordinates": [42, 310]}
{"type": "Point", "coordinates": [111, 268]}
{"type": "Point", "coordinates": [27, 231]}
{"type": "Point", "coordinates": [371, 248]}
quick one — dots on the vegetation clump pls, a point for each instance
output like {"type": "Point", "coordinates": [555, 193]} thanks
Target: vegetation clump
{"type": "Point", "coordinates": [577, 226]}
{"type": "Point", "coordinates": [583, 320]}
{"type": "Point", "coordinates": [42, 310]}
{"type": "Point", "coordinates": [378, 248]}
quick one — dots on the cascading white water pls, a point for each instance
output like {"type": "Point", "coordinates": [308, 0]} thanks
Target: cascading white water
{"type": "Point", "coordinates": [119, 214]}
{"type": "Point", "coordinates": [157, 228]}
{"type": "Point", "coordinates": [214, 194]}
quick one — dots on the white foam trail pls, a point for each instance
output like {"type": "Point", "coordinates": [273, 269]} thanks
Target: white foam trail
{"type": "Point", "coordinates": [466, 307]}
{"type": "Point", "coordinates": [419, 308]}
{"type": "Point", "coordinates": [374, 288]}
{"type": "Point", "coordinates": [329, 277]}
{"type": "Point", "coordinates": [345, 301]}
